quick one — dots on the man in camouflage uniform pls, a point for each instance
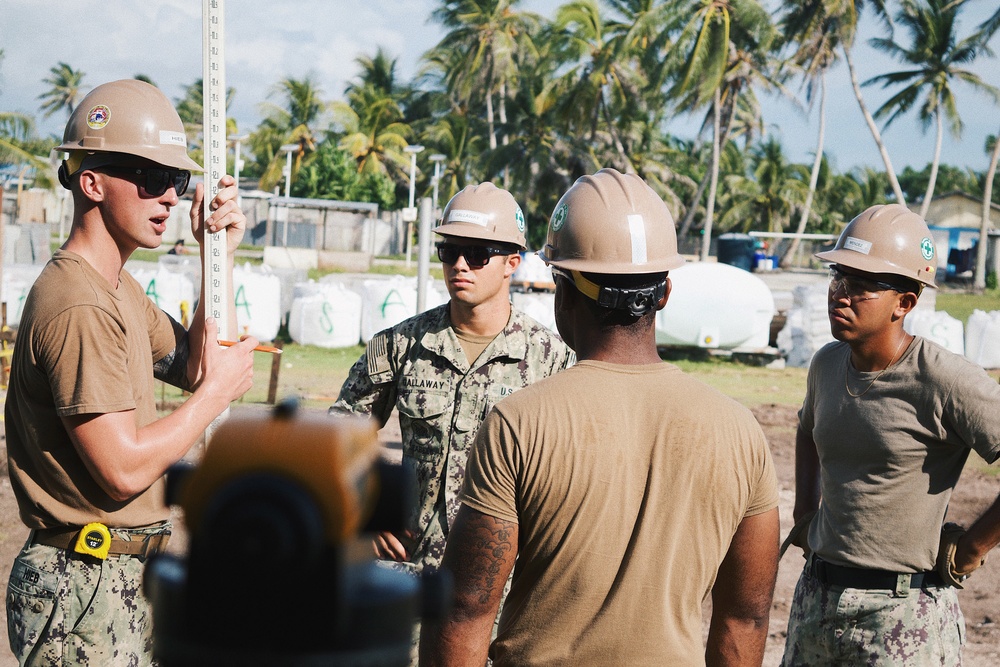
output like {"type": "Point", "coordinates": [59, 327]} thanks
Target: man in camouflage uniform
{"type": "Point", "coordinates": [886, 426]}
{"type": "Point", "coordinates": [445, 368]}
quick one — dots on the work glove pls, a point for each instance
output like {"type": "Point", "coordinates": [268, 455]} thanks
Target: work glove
{"type": "Point", "coordinates": [799, 535]}
{"type": "Point", "coordinates": [951, 533]}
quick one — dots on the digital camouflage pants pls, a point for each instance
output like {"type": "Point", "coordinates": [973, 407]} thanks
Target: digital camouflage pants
{"type": "Point", "coordinates": [68, 609]}
{"type": "Point", "coordinates": [830, 625]}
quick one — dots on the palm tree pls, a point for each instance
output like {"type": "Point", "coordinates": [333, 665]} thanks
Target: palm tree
{"type": "Point", "coordinates": [766, 198]}
{"type": "Point", "coordinates": [601, 82]}
{"type": "Point", "coordinates": [986, 31]}
{"type": "Point", "coordinates": [845, 14]}
{"type": "Point", "coordinates": [979, 278]}
{"type": "Point", "coordinates": [297, 122]}
{"type": "Point", "coordinates": [378, 72]}
{"type": "Point", "coordinates": [715, 29]}
{"type": "Point", "coordinates": [485, 34]}
{"type": "Point", "coordinates": [191, 110]}
{"type": "Point", "coordinates": [65, 92]}
{"type": "Point", "coordinates": [813, 31]}
{"type": "Point", "coordinates": [936, 58]}
{"type": "Point", "coordinates": [374, 132]}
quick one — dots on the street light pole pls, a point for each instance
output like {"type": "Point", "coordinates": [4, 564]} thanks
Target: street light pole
{"type": "Point", "coordinates": [238, 139]}
{"type": "Point", "coordinates": [287, 149]}
{"type": "Point", "coordinates": [411, 211]}
{"type": "Point", "coordinates": [437, 159]}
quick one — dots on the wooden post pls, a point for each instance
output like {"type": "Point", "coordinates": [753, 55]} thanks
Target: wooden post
{"type": "Point", "coordinates": [272, 388]}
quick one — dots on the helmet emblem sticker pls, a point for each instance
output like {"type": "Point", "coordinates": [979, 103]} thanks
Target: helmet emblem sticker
{"type": "Point", "coordinates": [858, 245]}
{"type": "Point", "coordinates": [519, 219]}
{"type": "Point", "coordinates": [559, 217]}
{"type": "Point", "coordinates": [98, 117]}
{"type": "Point", "coordinates": [927, 248]}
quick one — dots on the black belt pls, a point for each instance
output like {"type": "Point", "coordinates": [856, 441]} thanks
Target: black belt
{"type": "Point", "coordinates": [856, 577]}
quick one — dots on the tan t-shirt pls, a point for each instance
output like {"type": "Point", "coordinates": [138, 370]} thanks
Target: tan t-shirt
{"type": "Point", "coordinates": [472, 344]}
{"type": "Point", "coordinates": [890, 458]}
{"type": "Point", "coordinates": [82, 348]}
{"type": "Point", "coordinates": [627, 483]}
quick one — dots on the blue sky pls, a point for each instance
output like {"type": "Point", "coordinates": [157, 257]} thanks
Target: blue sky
{"type": "Point", "coordinates": [266, 41]}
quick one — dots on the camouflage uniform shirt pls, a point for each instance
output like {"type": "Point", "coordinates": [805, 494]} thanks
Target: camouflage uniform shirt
{"type": "Point", "coordinates": [420, 368]}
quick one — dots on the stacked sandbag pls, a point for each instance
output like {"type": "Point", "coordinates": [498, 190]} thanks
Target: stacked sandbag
{"type": "Point", "coordinates": [257, 292]}
{"type": "Point", "coordinates": [982, 338]}
{"type": "Point", "coordinates": [937, 326]}
{"type": "Point", "coordinates": [390, 301]}
{"type": "Point", "coordinates": [540, 306]}
{"type": "Point", "coordinates": [17, 282]}
{"type": "Point", "coordinates": [172, 291]}
{"type": "Point", "coordinates": [326, 314]}
{"type": "Point", "coordinates": [807, 325]}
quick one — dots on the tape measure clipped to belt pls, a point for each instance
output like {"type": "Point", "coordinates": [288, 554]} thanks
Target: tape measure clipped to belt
{"type": "Point", "coordinates": [94, 540]}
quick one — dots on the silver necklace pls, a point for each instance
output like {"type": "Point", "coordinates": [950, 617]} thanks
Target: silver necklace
{"type": "Point", "coordinates": [847, 371]}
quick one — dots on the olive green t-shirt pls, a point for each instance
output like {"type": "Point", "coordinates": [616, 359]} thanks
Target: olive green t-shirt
{"type": "Point", "coordinates": [627, 484]}
{"type": "Point", "coordinates": [890, 458]}
{"type": "Point", "coordinates": [82, 347]}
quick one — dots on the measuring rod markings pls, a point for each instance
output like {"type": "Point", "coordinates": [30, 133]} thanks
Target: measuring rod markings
{"type": "Point", "coordinates": [214, 271]}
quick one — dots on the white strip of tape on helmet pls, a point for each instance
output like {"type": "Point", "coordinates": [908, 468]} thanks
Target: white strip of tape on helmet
{"type": "Point", "coordinates": [474, 217]}
{"type": "Point", "coordinates": [637, 231]}
{"type": "Point", "coordinates": [858, 245]}
{"type": "Point", "coordinates": [170, 138]}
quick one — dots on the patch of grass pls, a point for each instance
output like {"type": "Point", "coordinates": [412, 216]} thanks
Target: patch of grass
{"type": "Point", "coordinates": [750, 385]}
{"type": "Point", "coordinates": [316, 374]}
{"type": "Point", "coordinates": [961, 304]}
{"type": "Point", "coordinates": [313, 374]}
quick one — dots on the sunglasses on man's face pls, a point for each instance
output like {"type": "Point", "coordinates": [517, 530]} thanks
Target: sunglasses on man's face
{"type": "Point", "coordinates": [157, 179]}
{"type": "Point", "coordinates": [476, 256]}
{"type": "Point", "coordinates": [858, 288]}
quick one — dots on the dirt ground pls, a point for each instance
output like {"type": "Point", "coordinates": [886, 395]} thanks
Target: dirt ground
{"type": "Point", "coordinates": [976, 491]}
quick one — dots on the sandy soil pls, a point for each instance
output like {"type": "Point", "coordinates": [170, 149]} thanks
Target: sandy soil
{"type": "Point", "coordinates": [980, 599]}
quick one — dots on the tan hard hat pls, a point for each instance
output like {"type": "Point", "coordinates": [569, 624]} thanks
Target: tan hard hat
{"type": "Point", "coordinates": [484, 212]}
{"type": "Point", "coordinates": [887, 238]}
{"type": "Point", "coordinates": [130, 117]}
{"type": "Point", "coordinates": [611, 223]}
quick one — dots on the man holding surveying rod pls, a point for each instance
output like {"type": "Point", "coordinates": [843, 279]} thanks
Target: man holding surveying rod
{"type": "Point", "coordinates": [86, 450]}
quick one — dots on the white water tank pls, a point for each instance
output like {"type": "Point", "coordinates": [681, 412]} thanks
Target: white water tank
{"type": "Point", "coordinates": [716, 305]}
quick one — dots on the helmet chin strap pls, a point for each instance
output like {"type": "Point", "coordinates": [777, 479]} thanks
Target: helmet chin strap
{"type": "Point", "coordinates": [637, 301]}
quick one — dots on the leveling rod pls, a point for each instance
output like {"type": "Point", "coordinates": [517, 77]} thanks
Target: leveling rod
{"type": "Point", "coordinates": [214, 272]}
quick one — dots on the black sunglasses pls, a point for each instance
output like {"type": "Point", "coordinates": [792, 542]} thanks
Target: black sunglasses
{"type": "Point", "coordinates": [158, 179]}
{"type": "Point", "coordinates": [476, 256]}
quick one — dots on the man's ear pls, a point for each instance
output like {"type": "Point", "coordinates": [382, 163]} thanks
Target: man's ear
{"type": "Point", "coordinates": [513, 261]}
{"type": "Point", "coordinates": [907, 302]}
{"type": "Point", "coordinates": [92, 185]}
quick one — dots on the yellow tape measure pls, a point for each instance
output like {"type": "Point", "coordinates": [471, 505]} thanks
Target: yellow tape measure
{"type": "Point", "coordinates": [94, 540]}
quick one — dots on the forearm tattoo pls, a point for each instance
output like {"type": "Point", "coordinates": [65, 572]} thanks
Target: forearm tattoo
{"type": "Point", "coordinates": [172, 368]}
{"type": "Point", "coordinates": [484, 556]}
